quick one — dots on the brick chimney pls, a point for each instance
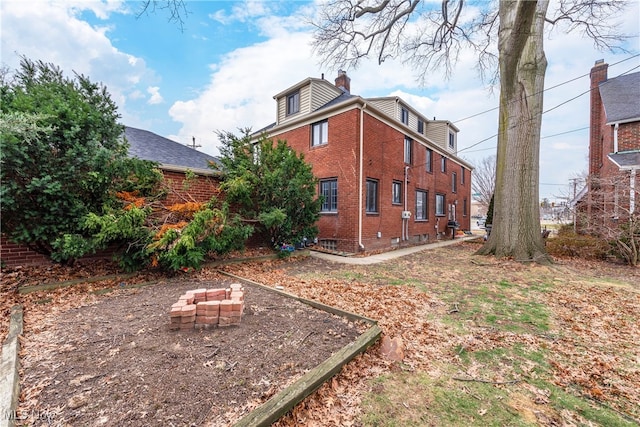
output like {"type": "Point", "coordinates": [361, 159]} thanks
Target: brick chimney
{"type": "Point", "coordinates": [596, 118]}
{"type": "Point", "coordinates": [343, 81]}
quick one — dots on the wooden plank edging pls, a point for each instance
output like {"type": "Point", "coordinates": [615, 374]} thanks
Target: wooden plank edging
{"type": "Point", "coordinates": [10, 369]}
{"type": "Point", "coordinates": [333, 310]}
{"type": "Point", "coordinates": [287, 399]}
{"type": "Point", "coordinates": [56, 285]}
{"type": "Point", "coordinates": [120, 276]}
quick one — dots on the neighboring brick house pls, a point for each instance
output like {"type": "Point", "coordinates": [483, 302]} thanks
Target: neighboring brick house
{"type": "Point", "coordinates": [174, 160]}
{"type": "Point", "coordinates": [614, 150]}
{"type": "Point", "coordinates": [390, 177]}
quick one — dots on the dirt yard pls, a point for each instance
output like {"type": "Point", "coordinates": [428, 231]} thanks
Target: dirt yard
{"type": "Point", "coordinates": [113, 361]}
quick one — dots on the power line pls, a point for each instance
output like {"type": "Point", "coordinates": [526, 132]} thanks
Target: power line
{"type": "Point", "coordinates": [542, 137]}
{"type": "Point", "coordinates": [546, 89]}
{"type": "Point", "coordinates": [555, 107]}
{"type": "Point", "coordinates": [564, 133]}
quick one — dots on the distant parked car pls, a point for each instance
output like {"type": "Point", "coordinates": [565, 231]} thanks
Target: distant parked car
{"type": "Point", "coordinates": [481, 222]}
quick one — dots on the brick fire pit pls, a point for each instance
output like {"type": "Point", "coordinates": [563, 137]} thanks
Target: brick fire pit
{"type": "Point", "coordinates": [208, 308]}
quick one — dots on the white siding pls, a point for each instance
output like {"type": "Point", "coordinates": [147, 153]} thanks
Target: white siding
{"type": "Point", "coordinates": [321, 94]}
{"type": "Point", "coordinates": [438, 133]}
{"type": "Point", "coordinates": [387, 106]}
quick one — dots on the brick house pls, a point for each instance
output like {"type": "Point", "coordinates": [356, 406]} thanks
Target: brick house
{"type": "Point", "coordinates": [614, 150]}
{"type": "Point", "coordinates": [390, 176]}
{"type": "Point", "coordinates": [174, 161]}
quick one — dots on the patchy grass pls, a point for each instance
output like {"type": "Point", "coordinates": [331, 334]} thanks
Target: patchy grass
{"type": "Point", "coordinates": [408, 399]}
{"type": "Point", "coordinates": [485, 341]}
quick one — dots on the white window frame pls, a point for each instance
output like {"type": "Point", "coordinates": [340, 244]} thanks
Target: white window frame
{"type": "Point", "coordinates": [293, 103]}
{"type": "Point", "coordinates": [408, 150]}
{"type": "Point", "coordinates": [440, 205]}
{"type": "Point", "coordinates": [404, 115]}
{"type": "Point", "coordinates": [396, 193]}
{"type": "Point", "coordinates": [422, 205]}
{"type": "Point", "coordinates": [320, 133]}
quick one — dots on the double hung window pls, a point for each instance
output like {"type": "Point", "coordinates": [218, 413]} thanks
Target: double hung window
{"type": "Point", "coordinates": [293, 103]}
{"type": "Point", "coordinates": [329, 193]}
{"type": "Point", "coordinates": [422, 210]}
{"type": "Point", "coordinates": [440, 205]}
{"type": "Point", "coordinates": [396, 193]}
{"type": "Point", "coordinates": [404, 116]}
{"type": "Point", "coordinates": [372, 196]}
{"type": "Point", "coordinates": [319, 133]}
{"type": "Point", "coordinates": [408, 150]}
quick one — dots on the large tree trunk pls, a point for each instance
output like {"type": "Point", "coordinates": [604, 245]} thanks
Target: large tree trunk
{"type": "Point", "coordinates": [516, 221]}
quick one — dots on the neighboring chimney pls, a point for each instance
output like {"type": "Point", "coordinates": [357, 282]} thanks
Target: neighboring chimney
{"type": "Point", "coordinates": [343, 81]}
{"type": "Point", "coordinates": [596, 119]}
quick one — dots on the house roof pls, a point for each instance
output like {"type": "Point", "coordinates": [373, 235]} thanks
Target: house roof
{"type": "Point", "coordinates": [621, 98]}
{"type": "Point", "coordinates": [626, 159]}
{"type": "Point", "coordinates": [171, 155]}
{"type": "Point", "coordinates": [340, 98]}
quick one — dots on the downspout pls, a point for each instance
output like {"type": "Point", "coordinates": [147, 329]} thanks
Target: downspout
{"type": "Point", "coordinates": [361, 172]}
{"type": "Point", "coordinates": [615, 138]}
{"type": "Point", "coordinates": [405, 221]}
{"type": "Point", "coordinates": [632, 191]}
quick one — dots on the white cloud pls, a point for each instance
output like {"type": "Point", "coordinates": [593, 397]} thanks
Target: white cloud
{"type": "Point", "coordinates": [53, 32]}
{"type": "Point", "coordinates": [136, 94]}
{"type": "Point", "coordinates": [240, 93]}
{"type": "Point", "coordinates": [155, 98]}
{"type": "Point", "coordinates": [242, 11]}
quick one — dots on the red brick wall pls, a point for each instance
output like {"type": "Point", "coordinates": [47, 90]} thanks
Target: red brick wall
{"type": "Point", "coordinates": [629, 136]}
{"type": "Point", "coordinates": [383, 161]}
{"type": "Point", "coordinates": [13, 254]}
{"type": "Point", "coordinates": [199, 189]}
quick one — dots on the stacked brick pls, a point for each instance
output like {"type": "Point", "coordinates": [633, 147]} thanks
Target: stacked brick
{"type": "Point", "coordinates": [208, 308]}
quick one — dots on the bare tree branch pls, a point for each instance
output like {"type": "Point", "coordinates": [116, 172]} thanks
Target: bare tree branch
{"type": "Point", "coordinates": [483, 180]}
{"type": "Point", "coordinates": [610, 212]}
{"type": "Point", "coordinates": [593, 18]}
{"type": "Point", "coordinates": [177, 10]}
{"type": "Point", "coordinates": [431, 36]}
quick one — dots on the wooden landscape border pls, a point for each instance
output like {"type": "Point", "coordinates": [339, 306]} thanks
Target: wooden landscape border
{"type": "Point", "coordinates": [124, 276]}
{"type": "Point", "coordinates": [284, 401]}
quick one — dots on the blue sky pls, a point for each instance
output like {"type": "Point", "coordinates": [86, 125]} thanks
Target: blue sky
{"type": "Point", "coordinates": [222, 70]}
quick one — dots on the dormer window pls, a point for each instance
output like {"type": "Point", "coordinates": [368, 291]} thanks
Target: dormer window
{"type": "Point", "coordinates": [452, 140]}
{"type": "Point", "coordinates": [420, 126]}
{"type": "Point", "coordinates": [404, 116]}
{"type": "Point", "coordinates": [293, 103]}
